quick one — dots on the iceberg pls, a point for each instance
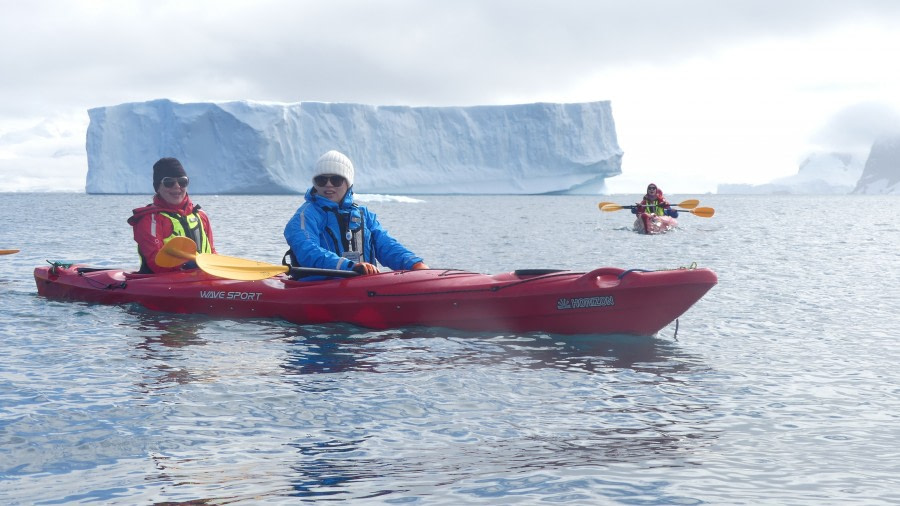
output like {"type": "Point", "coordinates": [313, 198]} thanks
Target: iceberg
{"type": "Point", "coordinates": [881, 175]}
{"type": "Point", "coordinates": [819, 174]}
{"type": "Point", "coordinates": [245, 147]}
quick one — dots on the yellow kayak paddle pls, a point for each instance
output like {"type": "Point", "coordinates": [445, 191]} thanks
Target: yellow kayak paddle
{"type": "Point", "coordinates": [703, 212]}
{"type": "Point", "coordinates": [182, 249]}
{"type": "Point", "coordinates": [687, 204]}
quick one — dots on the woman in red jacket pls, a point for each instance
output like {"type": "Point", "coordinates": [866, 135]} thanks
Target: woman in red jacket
{"type": "Point", "coordinates": [171, 214]}
{"type": "Point", "coordinates": [653, 204]}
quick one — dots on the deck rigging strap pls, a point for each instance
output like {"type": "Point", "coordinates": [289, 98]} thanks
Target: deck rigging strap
{"type": "Point", "coordinates": [495, 288]}
{"type": "Point", "coordinates": [57, 265]}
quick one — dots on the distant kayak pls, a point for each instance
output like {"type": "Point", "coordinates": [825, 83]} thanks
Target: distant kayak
{"type": "Point", "coordinates": [660, 224]}
{"type": "Point", "coordinates": [606, 300]}
{"type": "Point", "coordinates": [656, 225]}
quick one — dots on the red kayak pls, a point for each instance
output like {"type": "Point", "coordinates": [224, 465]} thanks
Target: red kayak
{"type": "Point", "coordinates": [604, 301]}
{"type": "Point", "coordinates": [656, 225]}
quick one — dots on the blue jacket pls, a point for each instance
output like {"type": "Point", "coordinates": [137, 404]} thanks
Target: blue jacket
{"type": "Point", "coordinates": [318, 239]}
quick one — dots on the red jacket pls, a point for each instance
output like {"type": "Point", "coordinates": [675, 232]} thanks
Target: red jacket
{"type": "Point", "coordinates": [151, 229]}
{"type": "Point", "coordinates": [661, 203]}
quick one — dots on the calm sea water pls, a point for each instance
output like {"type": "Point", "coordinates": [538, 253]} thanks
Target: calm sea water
{"type": "Point", "coordinates": [780, 387]}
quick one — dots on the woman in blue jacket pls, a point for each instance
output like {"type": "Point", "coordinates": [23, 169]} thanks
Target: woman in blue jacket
{"type": "Point", "coordinates": [330, 231]}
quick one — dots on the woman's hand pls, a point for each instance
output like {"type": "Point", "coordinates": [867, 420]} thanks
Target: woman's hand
{"type": "Point", "coordinates": [365, 268]}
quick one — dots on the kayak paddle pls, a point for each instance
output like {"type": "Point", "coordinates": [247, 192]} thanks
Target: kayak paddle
{"type": "Point", "coordinates": [251, 270]}
{"type": "Point", "coordinates": [8, 251]}
{"type": "Point", "coordinates": [182, 249]}
{"type": "Point", "coordinates": [176, 252]}
{"type": "Point", "coordinates": [687, 204]}
{"type": "Point", "coordinates": [703, 212]}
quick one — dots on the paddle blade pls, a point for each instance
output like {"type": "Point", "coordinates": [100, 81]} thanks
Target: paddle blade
{"type": "Point", "coordinates": [176, 252]}
{"type": "Point", "coordinates": [237, 268]}
{"type": "Point", "coordinates": [703, 212]}
{"type": "Point", "coordinates": [689, 203]}
{"type": "Point", "coordinates": [611, 207]}
{"type": "Point", "coordinates": [601, 204]}
{"type": "Point", "coordinates": [8, 251]}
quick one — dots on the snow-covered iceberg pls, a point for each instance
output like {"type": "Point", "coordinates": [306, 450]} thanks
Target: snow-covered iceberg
{"type": "Point", "coordinates": [881, 174]}
{"type": "Point", "coordinates": [819, 174]}
{"type": "Point", "coordinates": [245, 147]}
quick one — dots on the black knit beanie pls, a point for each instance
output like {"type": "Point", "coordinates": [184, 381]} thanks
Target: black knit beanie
{"type": "Point", "coordinates": [166, 167]}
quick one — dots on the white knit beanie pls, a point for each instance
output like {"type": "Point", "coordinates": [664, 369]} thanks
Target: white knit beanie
{"type": "Point", "coordinates": [334, 162]}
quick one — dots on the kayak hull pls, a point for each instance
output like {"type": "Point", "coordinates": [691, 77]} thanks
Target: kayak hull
{"type": "Point", "coordinates": [657, 225]}
{"type": "Point", "coordinates": [604, 301]}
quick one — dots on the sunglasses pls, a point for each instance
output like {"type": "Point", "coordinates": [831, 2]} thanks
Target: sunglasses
{"type": "Point", "coordinates": [651, 189]}
{"type": "Point", "coordinates": [323, 180]}
{"type": "Point", "coordinates": [169, 182]}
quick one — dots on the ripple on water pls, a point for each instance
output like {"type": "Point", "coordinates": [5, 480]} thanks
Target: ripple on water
{"type": "Point", "coordinates": [780, 387]}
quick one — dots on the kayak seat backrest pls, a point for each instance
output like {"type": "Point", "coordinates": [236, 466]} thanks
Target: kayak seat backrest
{"type": "Point", "coordinates": [535, 272]}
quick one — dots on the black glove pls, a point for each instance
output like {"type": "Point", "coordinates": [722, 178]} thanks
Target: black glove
{"type": "Point", "coordinates": [365, 268]}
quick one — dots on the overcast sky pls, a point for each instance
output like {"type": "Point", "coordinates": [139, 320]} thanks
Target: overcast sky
{"type": "Point", "coordinates": [703, 91]}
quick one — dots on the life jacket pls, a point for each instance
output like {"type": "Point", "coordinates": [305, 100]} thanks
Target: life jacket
{"type": "Point", "coordinates": [190, 226]}
{"type": "Point", "coordinates": [344, 230]}
{"type": "Point", "coordinates": [349, 242]}
{"type": "Point", "coordinates": [653, 207]}
{"type": "Point", "coordinates": [352, 239]}
{"type": "Point", "coordinates": [187, 226]}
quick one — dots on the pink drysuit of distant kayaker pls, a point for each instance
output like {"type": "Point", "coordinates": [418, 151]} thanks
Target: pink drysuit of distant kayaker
{"type": "Point", "coordinates": [653, 204]}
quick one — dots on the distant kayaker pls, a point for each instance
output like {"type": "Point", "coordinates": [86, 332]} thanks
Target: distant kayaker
{"type": "Point", "coordinates": [653, 203]}
{"type": "Point", "coordinates": [171, 214]}
{"type": "Point", "coordinates": [330, 231]}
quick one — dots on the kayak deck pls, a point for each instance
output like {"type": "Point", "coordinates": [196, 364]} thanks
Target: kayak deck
{"type": "Point", "coordinates": [606, 300]}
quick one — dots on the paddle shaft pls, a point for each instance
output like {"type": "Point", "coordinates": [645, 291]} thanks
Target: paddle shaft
{"type": "Point", "coordinates": [182, 249]}
{"type": "Point", "coordinates": [312, 271]}
{"type": "Point", "coordinates": [703, 212]}
{"type": "Point", "coordinates": [249, 270]}
{"type": "Point", "coordinates": [687, 204]}
{"type": "Point", "coordinates": [648, 205]}
{"type": "Point", "coordinates": [179, 250]}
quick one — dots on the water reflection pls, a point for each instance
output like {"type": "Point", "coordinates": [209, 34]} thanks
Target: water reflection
{"type": "Point", "coordinates": [330, 466]}
{"type": "Point", "coordinates": [348, 413]}
{"type": "Point", "coordinates": [593, 354]}
{"type": "Point", "coordinates": [162, 335]}
{"type": "Point", "coordinates": [473, 402]}
{"type": "Point", "coordinates": [339, 349]}
{"type": "Point", "coordinates": [324, 349]}
{"type": "Point", "coordinates": [167, 330]}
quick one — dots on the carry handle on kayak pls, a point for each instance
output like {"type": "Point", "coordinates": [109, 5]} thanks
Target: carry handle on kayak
{"type": "Point", "coordinates": [590, 278]}
{"type": "Point", "coordinates": [182, 249]}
